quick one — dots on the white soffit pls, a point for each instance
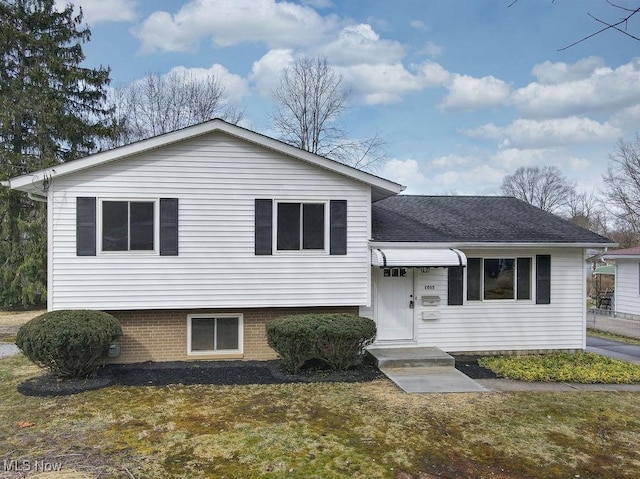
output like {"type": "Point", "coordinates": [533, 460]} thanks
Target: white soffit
{"type": "Point", "coordinates": [395, 257]}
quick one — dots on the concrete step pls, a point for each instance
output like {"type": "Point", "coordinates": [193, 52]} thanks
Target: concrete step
{"type": "Point", "coordinates": [410, 357]}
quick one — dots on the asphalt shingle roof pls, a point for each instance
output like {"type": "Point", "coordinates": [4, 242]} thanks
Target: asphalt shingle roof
{"type": "Point", "coordinates": [477, 219]}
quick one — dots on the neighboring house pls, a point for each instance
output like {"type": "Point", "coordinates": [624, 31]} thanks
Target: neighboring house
{"type": "Point", "coordinates": [626, 300]}
{"type": "Point", "coordinates": [193, 239]}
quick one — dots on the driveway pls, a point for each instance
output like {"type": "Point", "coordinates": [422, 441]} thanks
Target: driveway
{"type": "Point", "coordinates": [614, 349]}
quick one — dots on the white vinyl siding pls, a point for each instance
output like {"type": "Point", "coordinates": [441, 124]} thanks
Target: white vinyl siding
{"type": "Point", "coordinates": [627, 291]}
{"type": "Point", "coordinates": [216, 179]}
{"type": "Point", "coordinates": [507, 325]}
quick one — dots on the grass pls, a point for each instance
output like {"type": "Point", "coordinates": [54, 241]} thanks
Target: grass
{"type": "Point", "coordinates": [564, 367]}
{"type": "Point", "coordinates": [616, 337]}
{"type": "Point", "coordinates": [10, 322]}
{"type": "Point", "coordinates": [370, 430]}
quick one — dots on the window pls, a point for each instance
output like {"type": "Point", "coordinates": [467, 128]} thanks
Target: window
{"type": "Point", "coordinates": [498, 278]}
{"type": "Point", "coordinates": [311, 226]}
{"type": "Point", "coordinates": [128, 225]}
{"type": "Point", "coordinates": [214, 334]}
{"type": "Point", "coordinates": [300, 226]}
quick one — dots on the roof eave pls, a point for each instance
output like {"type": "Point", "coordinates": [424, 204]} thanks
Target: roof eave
{"type": "Point", "coordinates": [480, 244]}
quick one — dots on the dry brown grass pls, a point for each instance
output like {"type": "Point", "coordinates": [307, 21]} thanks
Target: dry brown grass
{"type": "Point", "coordinates": [10, 321]}
{"type": "Point", "coordinates": [370, 430]}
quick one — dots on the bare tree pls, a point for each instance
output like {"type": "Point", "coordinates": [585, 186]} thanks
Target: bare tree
{"type": "Point", "coordinates": [620, 24]}
{"type": "Point", "coordinates": [623, 184]}
{"type": "Point", "coordinates": [159, 104]}
{"type": "Point", "coordinates": [586, 210]}
{"type": "Point", "coordinates": [544, 187]}
{"type": "Point", "coordinates": [310, 100]}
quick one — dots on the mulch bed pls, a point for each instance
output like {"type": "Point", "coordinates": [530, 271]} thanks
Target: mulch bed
{"type": "Point", "coordinates": [469, 366]}
{"type": "Point", "coordinates": [217, 373]}
{"type": "Point", "coordinates": [195, 372]}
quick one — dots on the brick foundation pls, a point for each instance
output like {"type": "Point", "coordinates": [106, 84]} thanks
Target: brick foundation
{"type": "Point", "coordinates": [161, 335]}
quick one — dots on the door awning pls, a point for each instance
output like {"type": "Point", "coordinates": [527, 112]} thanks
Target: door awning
{"type": "Point", "coordinates": [396, 257]}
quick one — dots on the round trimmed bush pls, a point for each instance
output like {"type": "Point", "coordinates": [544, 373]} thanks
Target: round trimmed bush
{"type": "Point", "coordinates": [341, 339]}
{"type": "Point", "coordinates": [69, 343]}
{"type": "Point", "coordinates": [338, 339]}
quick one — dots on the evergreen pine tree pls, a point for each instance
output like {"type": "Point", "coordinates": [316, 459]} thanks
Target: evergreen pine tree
{"type": "Point", "coordinates": [52, 110]}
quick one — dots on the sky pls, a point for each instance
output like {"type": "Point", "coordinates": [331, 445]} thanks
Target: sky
{"type": "Point", "coordinates": [462, 91]}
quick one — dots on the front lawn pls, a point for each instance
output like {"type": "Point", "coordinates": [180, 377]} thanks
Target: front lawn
{"type": "Point", "coordinates": [366, 430]}
{"type": "Point", "coordinates": [564, 367]}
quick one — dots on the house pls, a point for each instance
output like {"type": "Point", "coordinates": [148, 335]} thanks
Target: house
{"type": "Point", "coordinates": [626, 300]}
{"type": "Point", "coordinates": [195, 238]}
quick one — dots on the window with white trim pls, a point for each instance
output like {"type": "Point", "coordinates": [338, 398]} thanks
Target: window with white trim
{"type": "Point", "coordinates": [301, 226]}
{"type": "Point", "coordinates": [214, 334]}
{"type": "Point", "coordinates": [128, 225]}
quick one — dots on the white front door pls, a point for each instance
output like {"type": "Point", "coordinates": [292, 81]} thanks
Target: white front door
{"type": "Point", "coordinates": [394, 304]}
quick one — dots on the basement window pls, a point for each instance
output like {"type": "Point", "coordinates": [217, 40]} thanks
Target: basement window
{"type": "Point", "coordinates": [214, 334]}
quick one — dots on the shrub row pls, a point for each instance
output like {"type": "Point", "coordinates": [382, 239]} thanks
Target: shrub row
{"type": "Point", "coordinates": [564, 367]}
{"type": "Point", "coordinates": [70, 344]}
{"type": "Point", "coordinates": [338, 339]}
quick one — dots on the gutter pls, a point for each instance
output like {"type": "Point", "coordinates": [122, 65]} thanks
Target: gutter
{"type": "Point", "coordinates": [37, 197]}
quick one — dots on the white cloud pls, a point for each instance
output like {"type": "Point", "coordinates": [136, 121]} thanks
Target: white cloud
{"type": "Point", "coordinates": [433, 74]}
{"type": "Point", "coordinates": [432, 50]}
{"type": "Point", "coordinates": [380, 84]}
{"type": "Point", "coordinates": [627, 118]}
{"type": "Point", "coordinates": [357, 44]}
{"type": "Point", "coordinates": [318, 3]}
{"type": "Point", "coordinates": [604, 90]}
{"type": "Point", "coordinates": [97, 11]}
{"type": "Point", "coordinates": [449, 161]}
{"type": "Point", "coordinates": [265, 73]}
{"type": "Point", "coordinates": [483, 179]}
{"type": "Point", "coordinates": [560, 72]}
{"type": "Point", "coordinates": [236, 87]}
{"type": "Point", "coordinates": [513, 158]}
{"type": "Point", "coordinates": [405, 172]}
{"type": "Point", "coordinates": [523, 133]}
{"type": "Point", "coordinates": [418, 24]}
{"type": "Point", "coordinates": [579, 164]}
{"type": "Point", "coordinates": [229, 22]}
{"type": "Point", "coordinates": [469, 93]}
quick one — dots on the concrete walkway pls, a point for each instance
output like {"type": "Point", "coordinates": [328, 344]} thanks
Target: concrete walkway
{"type": "Point", "coordinates": [612, 324]}
{"type": "Point", "coordinates": [430, 370]}
{"type": "Point", "coordinates": [432, 379]}
{"type": "Point", "coordinates": [8, 349]}
{"type": "Point", "coordinates": [614, 349]}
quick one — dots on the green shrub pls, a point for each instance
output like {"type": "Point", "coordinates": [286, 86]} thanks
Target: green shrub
{"type": "Point", "coordinates": [341, 339]}
{"type": "Point", "coordinates": [338, 339]}
{"type": "Point", "coordinates": [564, 367]}
{"type": "Point", "coordinates": [71, 344]}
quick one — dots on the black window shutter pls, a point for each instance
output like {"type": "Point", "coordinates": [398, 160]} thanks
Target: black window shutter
{"type": "Point", "coordinates": [168, 226]}
{"type": "Point", "coordinates": [455, 286]}
{"type": "Point", "coordinates": [338, 227]}
{"type": "Point", "coordinates": [263, 227]}
{"type": "Point", "coordinates": [85, 226]}
{"type": "Point", "coordinates": [543, 279]}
